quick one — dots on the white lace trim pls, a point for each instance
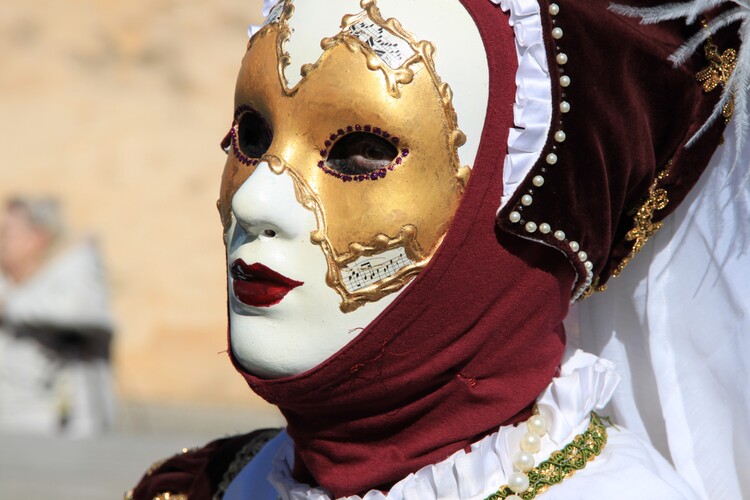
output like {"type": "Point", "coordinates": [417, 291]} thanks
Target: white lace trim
{"type": "Point", "coordinates": [532, 111]}
{"type": "Point", "coordinates": [586, 383]}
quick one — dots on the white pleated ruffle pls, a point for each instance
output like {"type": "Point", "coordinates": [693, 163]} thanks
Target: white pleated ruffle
{"type": "Point", "coordinates": [586, 383]}
{"type": "Point", "coordinates": [532, 111]}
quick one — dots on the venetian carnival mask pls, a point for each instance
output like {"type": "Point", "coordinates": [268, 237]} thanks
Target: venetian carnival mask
{"type": "Point", "coordinates": [343, 170]}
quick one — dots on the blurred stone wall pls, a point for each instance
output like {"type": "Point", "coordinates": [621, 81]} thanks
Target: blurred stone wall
{"type": "Point", "coordinates": [118, 109]}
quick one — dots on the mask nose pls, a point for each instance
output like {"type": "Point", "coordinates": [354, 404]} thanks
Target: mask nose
{"type": "Point", "coordinates": [265, 206]}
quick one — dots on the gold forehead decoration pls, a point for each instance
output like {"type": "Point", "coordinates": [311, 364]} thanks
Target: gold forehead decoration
{"type": "Point", "coordinates": [407, 213]}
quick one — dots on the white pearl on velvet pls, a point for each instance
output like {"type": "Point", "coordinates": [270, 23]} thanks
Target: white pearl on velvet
{"type": "Point", "coordinates": [537, 424]}
{"type": "Point", "coordinates": [514, 217]}
{"type": "Point", "coordinates": [513, 497]}
{"type": "Point", "coordinates": [538, 180]}
{"type": "Point", "coordinates": [551, 158]}
{"type": "Point", "coordinates": [564, 81]}
{"type": "Point", "coordinates": [574, 246]}
{"type": "Point", "coordinates": [554, 9]}
{"type": "Point", "coordinates": [560, 235]}
{"type": "Point", "coordinates": [531, 442]}
{"type": "Point", "coordinates": [544, 228]}
{"type": "Point", "coordinates": [561, 58]}
{"type": "Point", "coordinates": [560, 136]}
{"type": "Point", "coordinates": [523, 461]}
{"type": "Point", "coordinates": [526, 200]}
{"type": "Point", "coordinates": [583, 256]}
{"type": "Point", "coordinates": [557, 33]}
{"type": "Point", "coordinates": [588, 265]}
{"type": "Point", "coordinates": [564, 106]}
{"type": "Point", "coordinates": [518, 482]}
{"type": "Point", "coordinates": [530, 227]}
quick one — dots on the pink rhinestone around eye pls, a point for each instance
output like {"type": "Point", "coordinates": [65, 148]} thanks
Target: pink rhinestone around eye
{"type": "Point", "coordinates": [375, 175]}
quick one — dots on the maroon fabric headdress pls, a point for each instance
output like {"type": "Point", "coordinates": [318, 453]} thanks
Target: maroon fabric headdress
{"type": "Point", "coordinates": [615, 162]}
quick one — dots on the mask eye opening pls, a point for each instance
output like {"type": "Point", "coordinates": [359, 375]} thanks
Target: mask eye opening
{"type": "Point", "coordinates": [251, 135]}
{"type": "Point", "coordinates": [361, 152]}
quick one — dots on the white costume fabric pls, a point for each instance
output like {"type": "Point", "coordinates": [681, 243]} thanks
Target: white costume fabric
{"type": "Point", "coordinates": [677, 320]}
{"type": "Point", "coordinates": [628, 467]}
{"type": "Point", "coordinates": [677, 323]}
{"type": "Point", "coordinates": [37, 386]}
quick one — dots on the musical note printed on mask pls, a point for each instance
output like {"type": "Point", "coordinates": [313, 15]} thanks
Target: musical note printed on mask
{"type": "Point", "coordinates": [366, 271]}
{"type": "Point", "coordinates": [394, 51]}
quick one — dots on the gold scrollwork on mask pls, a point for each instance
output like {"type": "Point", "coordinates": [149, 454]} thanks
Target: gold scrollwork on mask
{"type": "Point", "coordinates": [283, 36]}
{"type": "Point", "coordinates": [381, 243]}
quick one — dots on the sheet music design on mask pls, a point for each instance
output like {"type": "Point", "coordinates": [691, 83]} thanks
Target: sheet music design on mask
{"type": "Point", "coordinates": [393, 50]}
{"type": "Point", "coordinates": [275, 13]}
{"type": "Point", "coordinates": [366, 271]}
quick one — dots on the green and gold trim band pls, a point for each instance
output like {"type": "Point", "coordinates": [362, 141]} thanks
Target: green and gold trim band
{"type": "Point", "coordinates": [562, 464]}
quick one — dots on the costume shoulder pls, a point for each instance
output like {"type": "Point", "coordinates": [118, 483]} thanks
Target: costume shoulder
{"type": "Point", "coordinates": [200, 472]}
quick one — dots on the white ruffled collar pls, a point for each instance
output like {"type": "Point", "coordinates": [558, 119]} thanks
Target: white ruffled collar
{"type": "Point", "coordinates": [532, 110]}
{"type": "Point", "coordinates": [585, 384]}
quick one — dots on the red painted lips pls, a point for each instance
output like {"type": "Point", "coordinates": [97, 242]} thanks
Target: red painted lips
{"type": "Point", "coordinates": [258, 286]}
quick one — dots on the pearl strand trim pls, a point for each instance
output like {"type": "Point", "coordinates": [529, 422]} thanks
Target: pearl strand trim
{"type": "Point", "coordinates": [551, 159]}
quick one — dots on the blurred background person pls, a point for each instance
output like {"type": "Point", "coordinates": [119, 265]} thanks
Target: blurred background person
{"type": "Point", "coordinates": [56, 326]}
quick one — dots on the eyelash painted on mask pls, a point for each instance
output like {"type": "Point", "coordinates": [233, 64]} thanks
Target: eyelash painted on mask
{"type": "Point", "coordinates": [372, 176]}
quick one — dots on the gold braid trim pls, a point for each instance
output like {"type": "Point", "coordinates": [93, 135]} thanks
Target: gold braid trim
{"type": "Point", "coordinates": [562, 464]}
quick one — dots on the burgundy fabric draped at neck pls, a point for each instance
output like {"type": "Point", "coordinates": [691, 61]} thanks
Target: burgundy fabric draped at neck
{"type": "Point", "coordinates": [468, 346]}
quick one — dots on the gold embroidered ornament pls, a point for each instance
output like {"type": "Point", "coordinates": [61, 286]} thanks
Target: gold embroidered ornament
{"type": "Point", "coordinates": [644, 226]}
{"type": "Point", "coordinates": [720, 68]}
{"type": "Point", "coordinates": [380, 225]}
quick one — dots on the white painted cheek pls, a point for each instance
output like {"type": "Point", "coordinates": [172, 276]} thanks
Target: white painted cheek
{"type": "Point", "coordinates": [271, 228]}
{"type": "Point", "coordinates": [307, 326]}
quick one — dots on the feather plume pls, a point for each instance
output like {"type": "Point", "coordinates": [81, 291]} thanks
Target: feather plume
{"type": "Point", "coordinates": [737, 87]}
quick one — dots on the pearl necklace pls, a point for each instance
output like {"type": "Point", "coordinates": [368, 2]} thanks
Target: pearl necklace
{"type": "Point", "coordinates": [523, 461]}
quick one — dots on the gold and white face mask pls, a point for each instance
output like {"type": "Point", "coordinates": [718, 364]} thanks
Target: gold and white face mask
{"type": "Point", "coordinates": [369, 138]}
